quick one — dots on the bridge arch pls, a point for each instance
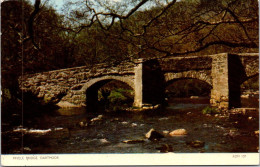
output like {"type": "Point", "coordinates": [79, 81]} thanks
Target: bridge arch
{"type": "Point", "coordinates": [187, 87]}
{"type": "Point", "coordinates": [91, 89]}
{"type": "Point", "coordinates": [203, 76]}
{"type": "Point", "coordinates": [94, 81]}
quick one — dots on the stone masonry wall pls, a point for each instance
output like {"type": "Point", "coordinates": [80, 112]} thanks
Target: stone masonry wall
{"type": "Point", "coordinates": [219, 73]}
{"type": "Point", "coordinates": [250, 63]}
{"type": "Point", "coordinates": [52, 86]}
{"type": "Point", "coordinates": [179, 64]}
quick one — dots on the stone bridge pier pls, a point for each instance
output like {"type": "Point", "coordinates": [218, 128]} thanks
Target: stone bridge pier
{"type": "Point", "coordinates": [77, 87]}
{"type": "Point", "coordinates": [228, 72]}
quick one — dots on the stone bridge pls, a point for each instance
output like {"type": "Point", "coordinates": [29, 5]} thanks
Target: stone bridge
{"type": "Point", "coordinates": [75, 87]}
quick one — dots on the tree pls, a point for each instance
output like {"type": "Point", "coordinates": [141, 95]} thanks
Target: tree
{"type": "Point", "coordinates": [31, 41]}
{"type": "Point", "coordinates": [170, 28]}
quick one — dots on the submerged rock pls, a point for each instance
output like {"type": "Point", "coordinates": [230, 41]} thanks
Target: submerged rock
{"type": "Point", "coordinates": [134, 141]}
{"type": "Point", "coordinates": [164, 118]}
{"type": "Point", "coordinates": [114, 119]}
{"type": "Point", "coordinates": [165, 148]}
{"type": "Point", "coordinates": [178, 132]}
{"type": "Point", "coordinates": [27, 149]}
{"type": "Point", "coordinates": [98, 118]}
{"type": "Point", "coordinates": [82, 124]}
{"type": "Point", "coordinates": [59, 133]}
{"type": "Point", "coordinates": [223, 142]}
{"type": "Point", "coordinates": [196, 143]}
{"type": "Point", "coordinates": [133, 124]}
{"type": "Point", "coordinates": [124, 123]}
{"type": "Point", "coordinates": [153, 135]}
{"type": "Point", "coordinates": [246, 96]}
{"type": "Point", "coordinates": [104, 141]}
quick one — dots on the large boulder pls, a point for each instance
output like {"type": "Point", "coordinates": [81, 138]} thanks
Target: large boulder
{"type": "Point", "coordinates": [153, 135]}
{"type": "Point", "coordinates": [178, 132]}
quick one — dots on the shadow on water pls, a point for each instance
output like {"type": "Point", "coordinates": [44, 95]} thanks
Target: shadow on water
{"type": "Point", "coordinates": [75, 130]}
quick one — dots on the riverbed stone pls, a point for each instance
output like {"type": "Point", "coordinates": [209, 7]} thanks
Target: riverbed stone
{"type": "Point", "coordinates": [153, 135]}
{"type": "Point", "coordinates": [178, 132]}
{"type": "Point", "coordinates": [134, 141]}
{"type": "Point", "coordinates": [166, 132]}
{"type": "Point", "coordinates": [98, 118]}
{"type": "Point", "coordinates": [165, 148]}
{"type": "Point", "coordinates": [196, 143]}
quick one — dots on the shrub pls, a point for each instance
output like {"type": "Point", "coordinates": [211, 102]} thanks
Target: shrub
{"type": "Point", "coordinates": [116, 97]}
{"type": "Point", "coordinates": [210, 110]}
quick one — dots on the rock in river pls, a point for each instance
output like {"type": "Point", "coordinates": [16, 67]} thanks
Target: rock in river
{"type": "Point", "coordinates": [165, 148]}
{"type": "Point", "coordinates": [196, 143]}
{"type": "Point", "coordinates": [153, 135]}
{"type": "Point", "coordinates": [82, 124]}
{"type": "Point", "coordinates": [134, 141]}
{"type": "Point", "coordinates": [98, 118]}
{"type": "Point", "coordinates": [178, 132]}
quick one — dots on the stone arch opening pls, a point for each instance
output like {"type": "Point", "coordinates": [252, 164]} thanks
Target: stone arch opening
{"type": "Point", "coordinates": [250, 92]}
{"type": "Point", "coordinates": [187, 88]}
{"type": "Point", "coordinates": [108, 94]}
{"type": "Point", "coordinates": [200, 75]}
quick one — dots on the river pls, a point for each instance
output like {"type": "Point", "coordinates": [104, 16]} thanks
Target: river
{"type": "Point", "coordinates": [77, 131]}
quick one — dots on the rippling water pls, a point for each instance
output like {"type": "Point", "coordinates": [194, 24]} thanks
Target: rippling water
{"type": "Point", "coordinates": [75, 131]}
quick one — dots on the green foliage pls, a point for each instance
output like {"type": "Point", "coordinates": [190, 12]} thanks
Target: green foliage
{"type": "Point", "coordinates": [120, 96]}
{"type": "Point", "coordinates": [210, 110]}
{"type": "Point", "coordinates": [252, 83]}
{"type": "Point", "coordinates": [6, 94]}
{"type": "Point", "coordinates": [118, 99]}
{"type": "Point", "coordinates": [116, 96]}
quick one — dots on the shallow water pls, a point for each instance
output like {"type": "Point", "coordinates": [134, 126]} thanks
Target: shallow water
{"type": "Point", "coordinates": [72, 131]}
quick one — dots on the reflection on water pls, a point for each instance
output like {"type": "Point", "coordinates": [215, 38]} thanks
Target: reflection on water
{"type": "Point", "coordinates": [71, 111]}
{"type": "Point", "coordinates": [76, 131]}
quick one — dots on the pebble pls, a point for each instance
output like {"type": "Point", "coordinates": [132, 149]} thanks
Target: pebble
{"type": "Point", "coordinates": [134, 141]}
{"type": "Point", "coordinates": [98, 118]}
{"type": "Point", "coordinates": [27, 149]}
{"type": "Point", "coordinates": [133, 124]}
{"type": "Point", "coordinates": [164, 118]}
{"type": "Point", "coordinates": [104, 140]}
{"type": "Point", "coordinates": [223, 142]}
{"type": "Point", "coordinates": [82, 124]}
